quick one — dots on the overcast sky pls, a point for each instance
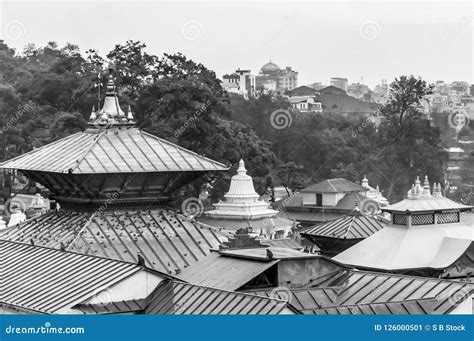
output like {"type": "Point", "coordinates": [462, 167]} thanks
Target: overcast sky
{"type": "Point", "coordinates": [373, 40]}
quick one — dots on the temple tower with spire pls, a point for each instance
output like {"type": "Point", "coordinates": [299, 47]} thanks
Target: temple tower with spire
{"type": "Point", "coordinates": [113, 182]}
{"type": "Point", "coordinates": [112, 158]}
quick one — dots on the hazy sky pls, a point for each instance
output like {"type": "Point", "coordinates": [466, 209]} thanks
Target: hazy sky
{"type": "Point", "coordinates": [373, 40]}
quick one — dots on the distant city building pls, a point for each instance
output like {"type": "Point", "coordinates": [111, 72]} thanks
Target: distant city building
{"type": "Point", "coordinates": [241, 82]}
{"type": "Point", "coordinates": [317, 86]}
{"type": "Point", "coordinates": [358, 90]}
{"type": "Point", "coordinates": [380, 93]}
{"type": "Point", "coordinates": [340, 83]}
{"type": "Point", "coordinates": [460, 87]}
{"type": "Point", "coordinates": [272, 78]}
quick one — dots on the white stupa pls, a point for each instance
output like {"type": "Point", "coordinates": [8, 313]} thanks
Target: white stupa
{"type": "Point", "coordinates": [241, 207]}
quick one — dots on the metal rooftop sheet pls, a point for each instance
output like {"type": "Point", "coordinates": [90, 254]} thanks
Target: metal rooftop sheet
{"type": "Point", "coordinates": [347, 227]}
{"type": "Point", "coordinates": [409, 307]}
{"type": "Point", "coordinates": [167, 241]}
{"type": "Point", "coordinates": [225, 273]}
{"type": "Point", "coordinates": [338, 185]}
{"type": "Point", "coordinates": [288, 243]}
{"type": "Point", "coordinates": [363, 287]}
{"type": "Point", "coordinates": [425, 204]}
{"type": "Point", "coordinates": [47, 280]}
{"type": "Point", "coordinates": [172, 297]}
{"type": "Point", "coordinates": [113, 150]}
{"type": "Point", "coordinates": [397, 247]}
{"type": "Point", "coordinates": [262, 253]}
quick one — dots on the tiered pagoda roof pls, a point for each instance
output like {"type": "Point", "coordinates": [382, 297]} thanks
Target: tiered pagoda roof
{"type": "Point", "coordinates": [112, 157]}
{"type": "Point", "coordinates": [113, 182]}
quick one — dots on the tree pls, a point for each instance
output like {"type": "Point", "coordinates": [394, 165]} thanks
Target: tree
{"type": "Point", "coordinates": [408, 144]}
{"type": "Point", "coordinates": [406, 94]}
{"type": "Point", "coordinates": [291, 177]}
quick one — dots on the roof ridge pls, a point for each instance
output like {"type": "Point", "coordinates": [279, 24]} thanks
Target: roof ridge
{"type": "Point", "coordinates": [94, 142]}
{"type": "Point", "coordinates": [182, 148]}
{"type": "Point", "coordinates": [382, 302]}
{"type": "Point", "coordinates": [353, 270]}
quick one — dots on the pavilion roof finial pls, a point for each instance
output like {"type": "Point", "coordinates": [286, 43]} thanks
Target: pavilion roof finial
{"type": "Point", "coordinates": [111, 115]}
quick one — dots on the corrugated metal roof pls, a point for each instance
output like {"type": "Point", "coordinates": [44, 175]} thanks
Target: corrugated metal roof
{"type": "Point", "coordinates": [425, 204]}
{"type": "Point", "coordinates": [347, 227]}
{"type": "Point", "coordinates": [173, 297]}
{"type": "Point", "coordinates": [122, 307]}
{"type": "Point", "coordinates": [47, 280]}
{"type": "Point", "coordinates": [397, 247]}
{"type": "Point", "coordinates": [225, 273]}
{"type": "Point", "coordinates": [302, 299]}
{"type": "Point", "coordinates": [256, 224]}
{"type": "Point", "coordinates": [49, 229]}
{"type": "Point", "coordinates": [113, 150]}
{"type": "Point", "coordinates": [310, 216]}
{"type": "Point", "coordinates": [262, 253]}
{"type": "Point", "coordinates": [363, 287]}
{"type": "Point", "coordinates": [167, 241]}
{"type": "Point", "coordinates": [409, 307]}
{"type": "Point", "coordinates": [338, 185]}
{"type": "Point", "coordinates": [288, 243]}
{"type": "Point", "coordinates": [361, 292]}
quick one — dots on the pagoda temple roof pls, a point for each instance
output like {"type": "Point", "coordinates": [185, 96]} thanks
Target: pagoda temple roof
{"type": "Point", "coordinates": [112, 144]}
{"type": "Point", "coordinates": [421, 199]}
{"type": "Point", "coordinates": [112, 150]}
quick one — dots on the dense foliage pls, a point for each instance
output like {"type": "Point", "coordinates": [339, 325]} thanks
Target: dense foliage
{"type": "Point", "coordinates": [47, 93]}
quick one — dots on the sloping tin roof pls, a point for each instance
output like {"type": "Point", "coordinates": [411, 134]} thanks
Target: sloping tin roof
{"type": "Point", "coordinates": [288, 243]}
{"type": "Point", "coordinates": [363, 287]}
{"type": "Point", "coordinates": [397, 247]}
{"type": "Point", "coordinates": [261, 253]}
{"type": "Point", "coordinates": [409, 307]}
{"type": "Point", "coordinates": [113, 150]}
{"type": "Point", "coordinates": [168, 242]}
{"type": "Point", "coordinates": [338, 185]}
{"type": "Point", "coordinates": [172, 297]}
{"type": "Point", "coordinates": [225, 273]}
{"type": "Point", "coordinates": [122, 307]}
{"type": "Point", "coordinates": [47, 280]}
{"type": "Point", "coordinates": [347, 227]}
{"type": "Point", "coordinates": [303, 299]}
{"type": "Point", "coordinates": [425, 204]}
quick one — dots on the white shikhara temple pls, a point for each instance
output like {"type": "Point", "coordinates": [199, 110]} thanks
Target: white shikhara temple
{"type": "Point", "coordinates": [242, 208]}
{"type": "Point", "coordinates": [374, 193]}
{"type": "Point", "coordinates": [427, 235]}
